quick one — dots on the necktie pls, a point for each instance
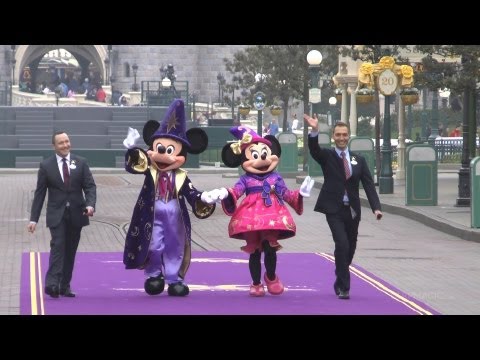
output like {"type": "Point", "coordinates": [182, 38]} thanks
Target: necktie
{"type": "Point", "coordinates": [346, 165]}
{"type": "Point", "coordinates": [163, 186]}
{"type": "Point", "coordinates": [66, 174]}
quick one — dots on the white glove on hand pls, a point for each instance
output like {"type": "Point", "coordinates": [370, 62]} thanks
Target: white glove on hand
{"type": "Point", "coordinates": [222, 194]}
{"type": "Point", "coordinates": [131, 138]}
{"type": "Point", "coordinates": [209, 197]}
{"type": "Point", "coordinates": [306, 186]}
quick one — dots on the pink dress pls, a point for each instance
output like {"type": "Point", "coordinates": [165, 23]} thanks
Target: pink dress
{"type": "Point", "coordinates": [263, 214]}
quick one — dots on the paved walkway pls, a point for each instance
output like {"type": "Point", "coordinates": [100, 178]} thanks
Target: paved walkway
{"type": "Point", "coordinates": [422, 250]}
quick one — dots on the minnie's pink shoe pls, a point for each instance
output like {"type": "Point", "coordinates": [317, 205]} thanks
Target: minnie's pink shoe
{"type": "Point", "coordinates": [274, 287]}
{"type": "Point", "coordinates": [257, 290]}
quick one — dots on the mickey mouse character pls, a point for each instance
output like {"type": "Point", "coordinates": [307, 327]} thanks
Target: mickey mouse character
{"type": "Point", "coordinates": [159, 237]}
{"type": "Point", "coordinates": [262, 218]}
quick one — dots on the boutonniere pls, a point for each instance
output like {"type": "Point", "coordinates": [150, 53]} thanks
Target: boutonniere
{"type": "Point", "coordinates": [353, 161]}
{"type": "Point", "coordinates": [72, 165]}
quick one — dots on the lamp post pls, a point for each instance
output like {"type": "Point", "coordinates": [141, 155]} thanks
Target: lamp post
{"type": "Point", "coordinates": [387, 83]}
{"type": "Point", "coordinates": [444, 95]}
{"type": "Point", "coordinates": [13, 61]}
{"type": "Point", "coordinates": [409, 122]}
{"type": "Point", "coordinates": [108, 65]}
{"type": "Point", "coordinates": [314, 59]}
{"type": "Point", "coordinates": [135, 69]}
{"type": "Point", "coordinates": [434, 122]}
{"type": "Point", "coordinates": [332, 101]}
{"type": "Point", "coordinates": [469, 101]}
{"type": "Point", "coordinates": [259, 102]}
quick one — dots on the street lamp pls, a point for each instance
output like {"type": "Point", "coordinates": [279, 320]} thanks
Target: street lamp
{"type": "Point", "coordinates": [166, 83]}
{"type": "Point", "coordinates": [314, 59]}
{"type": "Point", "coordinates": [387, 76]}
{"type": "Point", "coordinates": [444, 95]}
{"type": "Point", "coordinates": [108, 65]}
{"type": "Point", "coordinates": [332, 101]}
{"type": "Point", "coordinates": [135, 85]}
{"type": "Point", "coordinates": [259, 102]}
{"type": "Point", "coordinates": [13, 61]}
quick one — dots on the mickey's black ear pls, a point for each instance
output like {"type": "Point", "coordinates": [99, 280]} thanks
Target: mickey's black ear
{"type": "Point", "coordinates": [198, 138]}
{"type": "Point", "coordinates": [229, 158]}
{"type": "Point", "coordinates": [148, 130]}
{"type": "Point", "coordinates": [276, 147]}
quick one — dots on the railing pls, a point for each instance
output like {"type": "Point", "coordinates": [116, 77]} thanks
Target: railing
{"type": "Point", "coordinates": [153, 94]}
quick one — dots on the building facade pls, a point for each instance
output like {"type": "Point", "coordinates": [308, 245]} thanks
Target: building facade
{"type": "Point", "coordinates": [113, 64]}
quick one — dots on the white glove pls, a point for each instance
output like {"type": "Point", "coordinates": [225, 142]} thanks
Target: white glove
{"type": "Point", "coordinates": [222, 194]}
{"type": "Point", "coordinates": [131, 138]}
{"type": "Point", "coordinates": [306, 186]}
{"type": "Point", "coordinates": [209, 197]}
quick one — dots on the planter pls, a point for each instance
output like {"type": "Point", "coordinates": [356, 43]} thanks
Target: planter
{"type": "Point", "coordinates": [365, 99]}
{"type": "Point", "coordinates": [244, 111]}
{"type": "Point", "coordinates": [275, 112]}
{"type": "Point", "coordinates": [410, 99]}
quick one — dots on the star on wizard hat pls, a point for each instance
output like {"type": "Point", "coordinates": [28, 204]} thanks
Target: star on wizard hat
{"type": "Point", "coordinates": [173, 124]}
{"type": "Point", "coordinates": [246, 137]}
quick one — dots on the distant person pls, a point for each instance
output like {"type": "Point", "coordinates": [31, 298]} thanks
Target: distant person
{"type": "Point", "coordinates": [339, 197]}
{"type": "Point", "coordinates": [100, 96]}
{"type": "Point", "coordinates": [294, 122]}
{"type": "Point", "coordinates": [273, 129]}
{"type": "Point", "coordinates": [72, 195]}
{"type": "Point", "coordinates": [455, 132]}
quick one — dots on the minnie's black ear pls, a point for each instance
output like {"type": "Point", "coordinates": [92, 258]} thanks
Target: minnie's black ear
{"type": "Point", "coordinates": [276, 147]}
{"type": "Point", "coordinates": [229, 158]}
{"type": "Point", "coordinates": [148, 130]}
{"type": "Point", "coordinates": [198, 138]}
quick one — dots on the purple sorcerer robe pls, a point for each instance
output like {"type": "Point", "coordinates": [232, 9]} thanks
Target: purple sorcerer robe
{"type": "Point", "coordinates": [139, 233]}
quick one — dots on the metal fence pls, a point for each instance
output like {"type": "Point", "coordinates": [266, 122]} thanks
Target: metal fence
{"type": "Point", "coordinates": [154, 94]}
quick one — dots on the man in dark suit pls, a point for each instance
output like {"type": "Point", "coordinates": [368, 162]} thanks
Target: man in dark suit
{"type": "Point", "coordinates": [72, 194]}
{"type": "Point", "coordinates": [339, 197]}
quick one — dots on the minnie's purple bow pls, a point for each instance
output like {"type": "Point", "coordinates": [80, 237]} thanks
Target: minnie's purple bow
{"type": "Point", "coordinates": [277, 190]}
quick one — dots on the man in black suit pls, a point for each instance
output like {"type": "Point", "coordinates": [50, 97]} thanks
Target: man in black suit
{"type": "Point", "coordinates": [72, 194]}
{"type": "Point", "coordinates": [339, 199]}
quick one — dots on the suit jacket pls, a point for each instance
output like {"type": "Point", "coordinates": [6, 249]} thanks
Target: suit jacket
{"type": "Point", "coordinates": [81, 193]}
{"type": "Point", "coordinates": [331, 195]}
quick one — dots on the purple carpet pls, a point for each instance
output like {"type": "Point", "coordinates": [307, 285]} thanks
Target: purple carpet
{"type": "Point", "coordinates": [219, 283]}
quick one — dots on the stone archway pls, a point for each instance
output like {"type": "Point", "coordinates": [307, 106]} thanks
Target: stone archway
{"type": "Point", "coordinates": [25, 54]}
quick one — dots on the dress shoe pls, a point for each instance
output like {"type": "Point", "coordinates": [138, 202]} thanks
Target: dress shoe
{"type": "Point", "coordinates": [343, 294]}
{"type": "Point", "coordinates": [336, 288]}
{"type": "Point", "coordinates": [67, 293]}
{"type": "Point", "coordinates": [52, 291]}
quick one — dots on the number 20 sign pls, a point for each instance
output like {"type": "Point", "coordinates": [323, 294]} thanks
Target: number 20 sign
{"type": "Point", "coordinates": [387, 82]}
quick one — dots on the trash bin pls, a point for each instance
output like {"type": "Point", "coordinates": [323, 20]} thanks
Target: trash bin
{"type": "Point", "coordinates": [421, 184]}
{"type": "Point", "coordinates": [314, 168]}
{"type": "Point", "coordinates": [364, 146]}
{"type": "Point", "coordinates": [289, 158]}
{"type": "Point", "coordinates": [475, 191]}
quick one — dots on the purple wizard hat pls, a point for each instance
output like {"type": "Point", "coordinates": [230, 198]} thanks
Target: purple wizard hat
{"type": "Point", "coordinates": [173, 124]}
{"type": "Point", "coordinates": [246, 137]}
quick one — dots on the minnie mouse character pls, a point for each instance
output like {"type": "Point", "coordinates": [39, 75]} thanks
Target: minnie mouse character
{"type": "Point", "coordinates": [159, 237]}
{"type": "Point", "coordinates": [262, 218]}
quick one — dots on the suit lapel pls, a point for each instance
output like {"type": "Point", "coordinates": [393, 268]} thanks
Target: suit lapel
{"type": "Point", "coordinates": [55, 169]}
